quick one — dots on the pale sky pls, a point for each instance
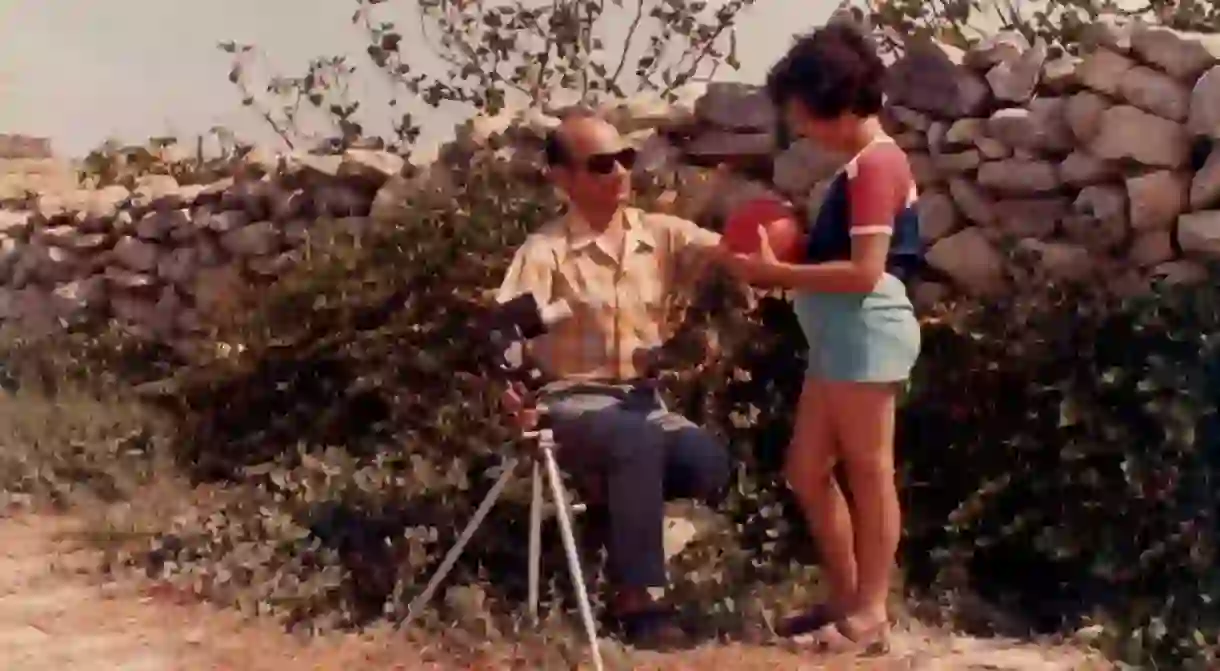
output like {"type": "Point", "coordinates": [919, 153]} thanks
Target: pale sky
{"type": "Point", "coordinates": [80, 71]}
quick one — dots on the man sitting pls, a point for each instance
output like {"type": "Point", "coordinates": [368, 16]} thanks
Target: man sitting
{"type": "Point", "coordinates": [618, 268]}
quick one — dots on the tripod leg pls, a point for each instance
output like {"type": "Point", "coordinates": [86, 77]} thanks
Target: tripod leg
{"type": "Point", "coordinates": [569, 546]}
{"type": "Point", "coordinates": [447, 563]}
{"type": "Point", "coordinates": [535, 542]}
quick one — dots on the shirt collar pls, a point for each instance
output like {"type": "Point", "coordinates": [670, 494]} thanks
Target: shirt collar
{"type": "Point", "coordinates": [638, 235]}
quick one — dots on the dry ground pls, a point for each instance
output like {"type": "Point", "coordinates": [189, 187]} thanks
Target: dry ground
{"type": "Point", "coordinates": [57, 614]}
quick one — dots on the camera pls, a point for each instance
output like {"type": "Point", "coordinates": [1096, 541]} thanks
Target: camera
{"type": "Point", "coordinates": [508, 329]}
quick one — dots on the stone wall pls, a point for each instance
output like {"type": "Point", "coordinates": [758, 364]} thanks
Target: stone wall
{"type": "Point", "coordinates": [1100, 168]}
{"type": "Point", "coordinates": [27, 163]}
{"type": "Point", "coordinates": [24, 146]}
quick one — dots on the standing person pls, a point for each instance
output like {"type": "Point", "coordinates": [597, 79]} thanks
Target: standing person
{"type": "Point", "coordinates": [617, 267]}
{"type": "Point", "coordinates": [860, 326]}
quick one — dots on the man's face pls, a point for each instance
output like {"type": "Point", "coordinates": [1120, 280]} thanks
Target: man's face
{"type": "Point", "coordinates": [597, 173]}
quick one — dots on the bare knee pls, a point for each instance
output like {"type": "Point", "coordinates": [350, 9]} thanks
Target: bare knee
{"type": "Point", "coordinates": [809, 469]}
{"type": "Point", "coordinates": [869, 470]}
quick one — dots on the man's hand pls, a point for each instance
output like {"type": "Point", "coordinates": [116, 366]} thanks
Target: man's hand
{"type": "Point", "coordinates": [513, 403]}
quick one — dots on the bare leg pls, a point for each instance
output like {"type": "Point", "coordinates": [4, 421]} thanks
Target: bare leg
{"type": "Point", "coordinates": [809, 468]}
{"type": "Point", "coordinates": [864, 417]}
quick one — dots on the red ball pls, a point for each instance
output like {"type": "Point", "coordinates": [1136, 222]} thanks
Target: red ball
{"type": "Point", "coordinates": [783, 232]}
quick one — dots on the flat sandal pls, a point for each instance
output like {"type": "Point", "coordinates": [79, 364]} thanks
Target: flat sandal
{"type": "Point", "coordinates": [838, 638]}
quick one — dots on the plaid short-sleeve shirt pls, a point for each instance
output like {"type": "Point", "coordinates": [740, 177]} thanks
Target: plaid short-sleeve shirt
{"type": "Point", "coordinates": [621, 303]}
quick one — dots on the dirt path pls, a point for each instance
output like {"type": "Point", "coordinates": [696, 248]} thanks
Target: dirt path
{"type": "Point", "coordinates": [55, 615]}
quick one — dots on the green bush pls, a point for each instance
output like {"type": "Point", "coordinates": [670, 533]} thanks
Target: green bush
{"type": "Point", "coordinates": [1060, 454]}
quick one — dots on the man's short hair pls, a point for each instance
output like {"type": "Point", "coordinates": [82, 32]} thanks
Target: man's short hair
{"type": "Point", "coordinates": [556, 150]}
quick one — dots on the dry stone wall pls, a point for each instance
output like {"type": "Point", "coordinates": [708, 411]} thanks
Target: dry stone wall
{"type": "Point", "coordinates": [1101, 168]}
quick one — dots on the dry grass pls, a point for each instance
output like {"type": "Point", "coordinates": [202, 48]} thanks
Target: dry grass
{"type": "Point", "coordinates": [102, 464]}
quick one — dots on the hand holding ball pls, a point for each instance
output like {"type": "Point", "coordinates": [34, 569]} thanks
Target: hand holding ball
{"type": "Point", "coordinates": [741, 230]}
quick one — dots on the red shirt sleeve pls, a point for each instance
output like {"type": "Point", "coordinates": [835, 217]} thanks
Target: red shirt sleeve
{"type": "Point", "coordinates": [878, 189]}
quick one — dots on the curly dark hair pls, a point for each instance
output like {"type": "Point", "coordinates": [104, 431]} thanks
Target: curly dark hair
{"type": "Point", "coordinates": [831, 71]}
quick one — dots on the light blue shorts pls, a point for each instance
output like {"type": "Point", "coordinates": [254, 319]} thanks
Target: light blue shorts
{"type": "Point", "coordinates": [871, 337]}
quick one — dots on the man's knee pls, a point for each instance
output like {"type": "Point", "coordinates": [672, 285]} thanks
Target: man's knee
{"type": "Point", "coordinates": [699, 463]}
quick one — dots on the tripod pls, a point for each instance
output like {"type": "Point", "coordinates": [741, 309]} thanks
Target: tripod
{"type": "Point", "coordinates": [543, 466]}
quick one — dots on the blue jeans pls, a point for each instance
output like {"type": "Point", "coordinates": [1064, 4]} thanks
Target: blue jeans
{"type": "Point", "coordinates": [623, 436]}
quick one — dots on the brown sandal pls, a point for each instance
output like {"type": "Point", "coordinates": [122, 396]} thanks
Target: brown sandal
{"type": "Point", "coordinates": [842, 638]}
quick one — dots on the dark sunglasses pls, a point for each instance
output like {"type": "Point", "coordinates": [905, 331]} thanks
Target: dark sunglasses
{"type": "Point", "coordinates": [603, 164]}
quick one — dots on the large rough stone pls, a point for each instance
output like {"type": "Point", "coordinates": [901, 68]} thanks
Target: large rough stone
{"type": "Point", "coordinates": [972, 201]}
{"type": "Point", "coordinates": [1059, 74]}
{"type": "Point", "coordinates": [1156, 199]}
{"type": "Point", "coordinates": [647, 111]}
{"type": "Point", "coordinates": [257, 239]}
{"type": "Point", "coordinates": [99, 204]}
{"type": "Point", "coordinates": [1103, 71]}
{"type": "Point", "coordinates": [370, 165]}
{"type": "Point", "coordinates": [1014, 80]}
{"type": "Point", "coordinates": [957, 162]}
{"type": "Point", "coordinates": [1081, 168]}
{"type": "Point", "coordinates": [1017, 176]}
{"type": "Point", "coordinates": [337, 200]}
{"type": "Point", "coordinates": [937, 215]}
{"type": "Point", "coordinates": [908, 117]}
{"type": "Point", "coordinates": [1205, 187]}
{"type": "Point", "coordinates": [733, 106]}
{"type": "Point", "coordinates": [1059, 261]}
{"type": "Point", "coordinates": [1183, 55]}
{"type": "Point", "coordinates": [179, 265]}
{"type": "Point", "coordinates": [1031, 217]}
{"type": "Point", "coordinates": [136, 254]}
{"type": "Point", "coordinates": [128, 280]}
{"type": "Point", "coordinates": [1001, 47]}
{"type": "Point", "coordinates": [930, 78]}
{"type": "Point", "coordinates": [50, 265]}
{"type": "Point", "coordinates": [1107, 31]}
{"type": "Point", "coordinates": [726, 146]}
{"type": "Point", "coordinates": [1050, 116]}
{"type": "Point", "coordinates": [1014, 126]}
{"type": "Point", "coordinates": [992, 149]}
{"type": "Point", "coordinates": [158, 225]}
{"type": "Point", "coordinates": [1199, 234]}
{"type": "Point", "coordinates": [1083, 112]}
{"type": "Point", "coordinates": [923, 169]}
{"type": "Point", "coordinates": [221, 222]}
{"type": "Point", "coordinates": [1156, 92]}
{"type": "Point", "coordinates": [70, 237]}
{"type": "Point", "coordinates": [965, 132]}
{"type": "Point", "coordinates": [802, 165]}
{"type": "Point", "coordinates": [1040, 126]}
{"type": "Point", "coordinates": [157, 191]}
{"type": "Point", "coordinates": [971, 261]}
{"type": "Point", "coordinates": [1205, 105]}
{"type": "Point", "coordinates": [1151, 248]}
{"type": "Point", "coordinates": [1128, 132]}
{"type": "Point", "coordinates": [1099, 218]}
